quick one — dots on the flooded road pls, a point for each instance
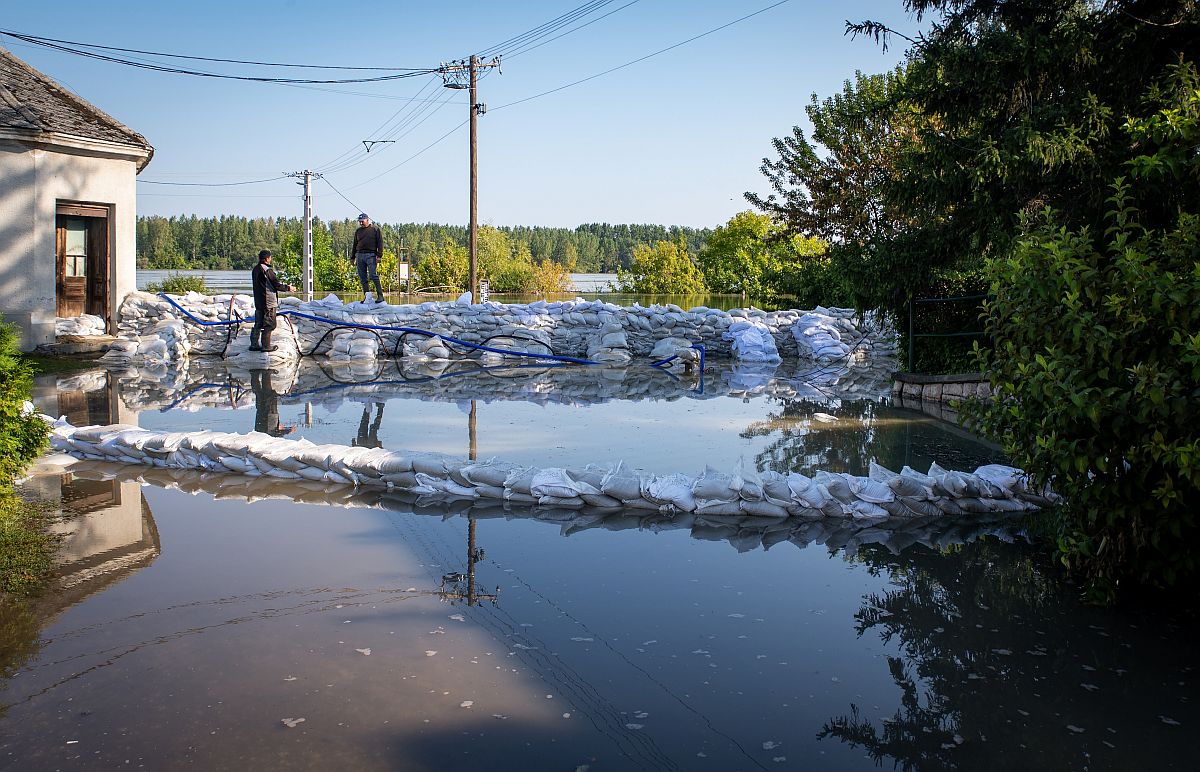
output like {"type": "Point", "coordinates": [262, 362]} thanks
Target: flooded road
{"type": "Point", "coordinates": [206, 628]}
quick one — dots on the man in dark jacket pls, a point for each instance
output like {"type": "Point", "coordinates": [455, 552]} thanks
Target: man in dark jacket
{"type": "Point", "coordinates": [266, 302]}
{"type": "Point", "coordinates": [368, 250]}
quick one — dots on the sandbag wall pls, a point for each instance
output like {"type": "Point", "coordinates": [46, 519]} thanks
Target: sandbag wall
{"type": "Point", "coordinates": [578, 328]}
{"type": "Point", "coordinates": [714, 494]}
{"type": "Point", "coordinates": [742, 533]}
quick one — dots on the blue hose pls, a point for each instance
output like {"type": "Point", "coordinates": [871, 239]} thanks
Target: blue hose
{"type": "Point", "coordinates": [339, 323]}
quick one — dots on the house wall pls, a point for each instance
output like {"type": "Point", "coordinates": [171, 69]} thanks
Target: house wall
{"type": "Point", "coordinates": [34, 179]}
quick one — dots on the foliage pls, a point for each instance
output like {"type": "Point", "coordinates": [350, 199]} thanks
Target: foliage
{"type": "Point", "coordinates": [666, 268]}
{"type": "Point", "coordinates": [26, 549]}
{"type": "Point", "coordinates": [751, 256]}
{"type": "Point", "coordinates": [836, 188]}
{"type": "Point", "coordinates": [1023, 104]}
{"type": "Point", "coordinates": [1096, 364]}
{"type": "Point", "coordinates": [22, 435]}
{"type": "Point", "coordinates": [178, 284]}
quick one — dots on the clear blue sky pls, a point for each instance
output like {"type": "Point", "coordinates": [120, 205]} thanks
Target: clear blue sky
{"type": "Point", "coordinates": [675, 139]}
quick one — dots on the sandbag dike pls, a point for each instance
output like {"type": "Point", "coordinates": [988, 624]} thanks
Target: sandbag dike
{"type": "Point", "coordinates": [151, 330]}
{"type": "Point", "coordinates": [202, 382]}
{"type": "Point", "coordinates": [743, 533]}
{"type": "Point", "coordinates": [882, 495]}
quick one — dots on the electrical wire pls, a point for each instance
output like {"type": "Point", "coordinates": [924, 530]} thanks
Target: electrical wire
{"type": "Point", "coordinates": [32, 38]}
{"type": "Point", "coordinates": [642, 58]}
{"type": "Point", "coordinates": [129, 62]}
{"type": "Point", "coordinates": [411, 157]}
{"type": "Point", "coordinates": [543, 29]}
{"type": "Point", "coordinates": [529, 48]}
{"type": "Point", "coordinates": [212, 184]}
{"type": "Point", "coordinates": [335, 190]}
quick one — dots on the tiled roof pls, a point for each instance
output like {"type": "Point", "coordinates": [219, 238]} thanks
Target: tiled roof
{"type": "Point", "coordinates": [30, 100]}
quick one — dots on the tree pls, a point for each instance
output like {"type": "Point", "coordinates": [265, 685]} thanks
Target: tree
{"type": "Point", "coordinates": [664, 269]}
{"type": "Point", "coordinates": [837, 190]}
{"type": "Point", "coordinates": [1097, 359]}
{"type": "Point", "coordinates": [750, 255]}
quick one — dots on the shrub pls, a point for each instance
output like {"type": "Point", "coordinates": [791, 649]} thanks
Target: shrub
{"type": "Point", "coordinates": [1096, 366]}
{"type": "Point", "coordinates": [21, 436]}
{"type": "Point", "coordinates": [179, 284]}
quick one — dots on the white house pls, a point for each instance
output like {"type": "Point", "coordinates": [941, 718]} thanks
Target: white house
{"type": "Point", "coordinates": [68, 208]}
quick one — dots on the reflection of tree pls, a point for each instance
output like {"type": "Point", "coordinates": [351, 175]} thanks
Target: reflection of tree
{"type": "Point", "coordinates": [996, 662]}
{"type": "Point", "coordinates": [20, 627]}
{"type": "Point", "coordinates": [805, 444]}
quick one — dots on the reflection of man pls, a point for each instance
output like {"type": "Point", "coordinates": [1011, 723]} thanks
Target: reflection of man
{"type": "Point", "coordinates": [368, 436]}
{"type": "Point", "coordinates": [266, 405]}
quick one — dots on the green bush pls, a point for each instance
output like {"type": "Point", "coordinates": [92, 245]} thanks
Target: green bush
{"type": "Point", "coordinates": [22, 436]}
{"type": "Point", "coordinates": [1096, 366]}
{"type": "Point", "coordinates": [178, 284]}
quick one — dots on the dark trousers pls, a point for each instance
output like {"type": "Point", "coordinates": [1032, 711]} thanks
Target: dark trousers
{"type": "Point", "coordinates": [367, 264]}
{"type": "Point", "coordinates": [264, 320]}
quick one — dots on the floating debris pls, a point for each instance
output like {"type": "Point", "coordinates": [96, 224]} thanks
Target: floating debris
{"type": "Point", "coordinates": [292, 723]}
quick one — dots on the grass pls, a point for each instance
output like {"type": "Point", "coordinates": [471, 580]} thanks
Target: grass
{"type": "Point", "coordinates": [26, 546]}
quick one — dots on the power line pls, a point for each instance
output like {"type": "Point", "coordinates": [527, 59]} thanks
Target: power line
{"type": "Point", "coordinates": [335, 190]}
{"type": "Point", "coordinates": [643, 58]}
{"type": "Point", "coordinates": [36, 38]}
{"type": "Point", "coordinates": [211, 184]}
{"type": "Point", "coordinates": [544, 29]}
{"type": "Point", "coordinates": [202, 73]}
{"type": "Point", "coordinates": [529, 48]}
{"type": "Point", "coordinates": [411, 157]}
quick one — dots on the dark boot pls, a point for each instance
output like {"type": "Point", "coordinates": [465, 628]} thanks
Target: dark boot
{"type": "Point", "coordinates": [266, 342]}
{"type": "Point", "coordinates": [378, 291]}
{"type": "Point", "coordinates": [255, 335]}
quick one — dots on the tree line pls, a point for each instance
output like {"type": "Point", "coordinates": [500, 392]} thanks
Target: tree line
{"type": "Point", "coordinates": [231, 242]}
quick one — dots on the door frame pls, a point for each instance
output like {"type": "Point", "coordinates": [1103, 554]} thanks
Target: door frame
{"type": "Point", "coordinates": [98, 287]}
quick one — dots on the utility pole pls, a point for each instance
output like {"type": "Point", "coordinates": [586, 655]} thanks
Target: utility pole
{"type": "Point", "coordinates": [306, 279]}
{"type": "Point", "coordinates": [452, 78]}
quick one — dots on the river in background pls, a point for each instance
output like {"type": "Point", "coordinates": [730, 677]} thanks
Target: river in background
{"type": "Point", "coordinates": [217, 621]}
{"type": "Point", "coordinates": [591, 286]}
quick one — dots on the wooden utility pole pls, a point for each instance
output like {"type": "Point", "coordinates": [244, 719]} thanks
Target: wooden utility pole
{"type": "Point", "coordinates": [306, 279]}
{"type": "Point", "coordinates": [472, 273]}
{"type": "Point", "coordinates": [452, 75]}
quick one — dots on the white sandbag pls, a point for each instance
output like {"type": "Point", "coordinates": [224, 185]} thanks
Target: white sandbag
{"type": "Point", "coordinates": [867, 489]}
{"type": "Point", "coordinates": [555, 482]}
{"type": "Point", "coordinates": [673, 489]}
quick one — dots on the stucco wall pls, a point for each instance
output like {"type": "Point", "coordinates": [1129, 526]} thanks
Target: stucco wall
{"type": "Point", "coordinates": [33, 180]}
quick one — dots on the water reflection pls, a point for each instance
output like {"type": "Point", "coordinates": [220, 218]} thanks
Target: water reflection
{"type": "Point", "coordinates": [999, 667]}
{"type": "Point", "coordinates": [266, 405]}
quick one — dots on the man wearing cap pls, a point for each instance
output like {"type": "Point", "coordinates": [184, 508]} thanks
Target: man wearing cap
{"type": "Point", "coordinates": [368, 249]}
{"type": "Point", "coordinates": [266, 302]}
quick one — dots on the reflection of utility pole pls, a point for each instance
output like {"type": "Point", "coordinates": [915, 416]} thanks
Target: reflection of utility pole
{"type": "Point", "coordinates": [474, 555]}
{"type": "Point", "coordinates": [452, 78]}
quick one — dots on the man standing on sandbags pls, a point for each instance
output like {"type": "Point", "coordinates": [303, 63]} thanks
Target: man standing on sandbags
{"type": "Point", "coordinates": [368, 251]}
{"type": "Point", "coordinates": [266, 302]}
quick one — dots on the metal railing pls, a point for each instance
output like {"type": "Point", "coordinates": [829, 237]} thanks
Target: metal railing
{"type": "Point", "coordinates": [913, 335]}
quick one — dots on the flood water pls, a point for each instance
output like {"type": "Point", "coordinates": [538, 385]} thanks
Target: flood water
{"type": "Point", "coordinates": [217, 622]}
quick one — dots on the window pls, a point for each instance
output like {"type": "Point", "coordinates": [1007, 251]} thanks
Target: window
{"type": "Point", "coordinates": [76, 256]}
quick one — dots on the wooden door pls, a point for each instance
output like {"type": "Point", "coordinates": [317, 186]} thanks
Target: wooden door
{"type": "Point", "coordinates": [82, 261]}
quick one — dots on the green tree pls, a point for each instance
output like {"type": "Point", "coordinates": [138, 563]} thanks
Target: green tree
{"type": "Point", "coordinates": [838, 188]}
{"type": "Point", "coordinates": [752, 256]}
{"type": "Point", "coordinates": [1097, 360]}
{"type": "Point", "coordinates": [664, 269]}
